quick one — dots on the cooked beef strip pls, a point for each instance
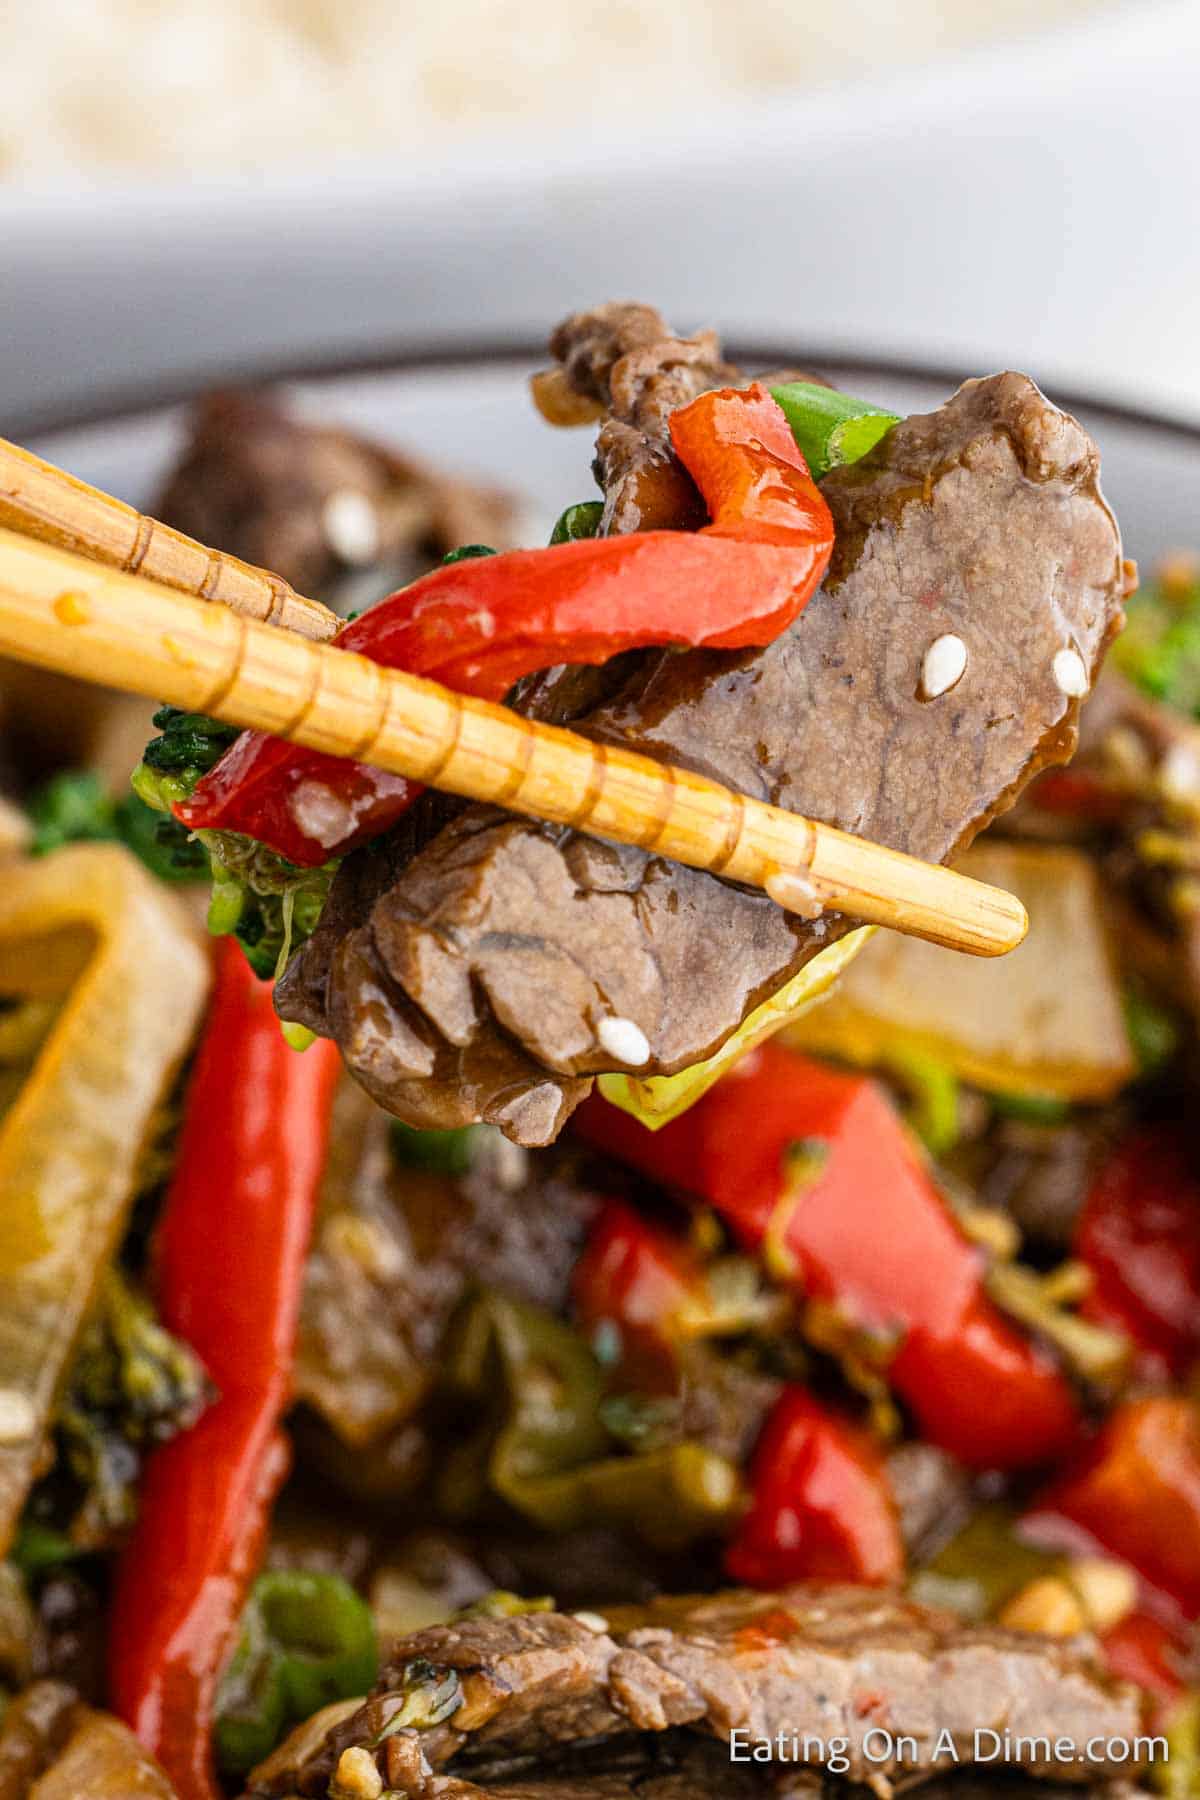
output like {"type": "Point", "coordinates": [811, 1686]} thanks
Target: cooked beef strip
{"type": "Point", "coordinates": [470, 982]}
{"type": "Point", "coordinates": [822, 1661]}
{"type": "Point", "coordinates": [395, 1248]}
{"type": "Point", "coordinates": [624, 356]}
{"type": "Point", "coordinates": [257, 481]}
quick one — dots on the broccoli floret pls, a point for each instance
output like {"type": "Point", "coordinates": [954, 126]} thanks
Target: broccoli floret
{"type": "Point", "coordinates": [132, 1385]}
{"type": "Point", "coordinates": [75, 807]}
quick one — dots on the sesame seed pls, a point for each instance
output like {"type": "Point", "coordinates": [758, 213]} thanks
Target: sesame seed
{"type": "Point", "coordinates": [351, 527]}
{"type": "Point", "coordinates": [945, 661]}
{"type": "Point", "coordinates": [592, 1621]}
{"type": "Point", "coordinates": [18, 1420]}
{"type": "Point", "coordinates": [1179, 773]}
{"type": "Point", "coordinates": [795, 893]}
{"type": "Point", "coordinates": [624, 1040]}
{"type": "Point", "coordinates": [1070, 673]}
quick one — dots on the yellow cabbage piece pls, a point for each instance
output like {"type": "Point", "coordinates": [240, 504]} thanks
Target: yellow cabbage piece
{"type": "Point", "coordinates": [660, 1098]}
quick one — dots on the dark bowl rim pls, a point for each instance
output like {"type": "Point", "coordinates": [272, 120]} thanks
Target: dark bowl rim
{"type": "Point", "coordinates": [115, 406]}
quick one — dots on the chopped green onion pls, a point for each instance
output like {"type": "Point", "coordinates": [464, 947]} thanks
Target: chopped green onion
{"type": "Point", "coordinates": [1032, 1109]}
{"type": "Point", "coordinates": [579, 521]}
{"type": "Point", "coordinates": [307, 1639]}
{"type": "Point", "coordinates": [440, 1152]}
{"type": "Point", "coordinates": [831, 428]}
{"type": "Point", "coordinates": [467, 553]}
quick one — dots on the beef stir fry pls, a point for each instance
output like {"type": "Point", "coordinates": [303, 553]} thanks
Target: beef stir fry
{"type": "Point", "coordinates": [515, 1317]}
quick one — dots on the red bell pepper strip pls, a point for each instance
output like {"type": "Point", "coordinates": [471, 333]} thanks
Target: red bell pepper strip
{"type": "Point", "coordinates": [1139, 1234]}
{"type": "Point", "coordinates": [814, 1169]}
{"type": "Point", "coordinates": [822, 1508]}
{"type": "Point", "coordinates": [231, 1253]}
{"type": "Point", "coordinates": [636, 1276]}
{"type": "Point", "coordinates": [479, 625]}
{"type": "Point", "coordinates": [1134, 1492]}
{"type": "Point", "coordinates": [1078, 794]}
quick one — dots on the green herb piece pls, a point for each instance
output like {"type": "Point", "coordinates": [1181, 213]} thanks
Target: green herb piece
{"type": "Point", "coordinates": [831, 428]}
{"type": "Point", "coordinates": [500, 1604]}
{"type": "Point", "coordinates": [440, 1152]}
{"type": "Point", "coordinates": [306, 1640]}
{"type": "Point", "coordinates": [1032, 1109]}
{"type": "Point", "coordinates": [577, 522]}
{"type": "Point", "coordinates": [1153, 1033]}
{"type": "Point", "coordinates": [467, 553]}
{"type": "Point", "coordinates": [39, 1548]}
{"type": "Point", "coordinates": [427, 1694]}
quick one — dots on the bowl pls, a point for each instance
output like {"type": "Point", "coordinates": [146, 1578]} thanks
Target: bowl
{"type": "Point", "coordinates": [471, 414]}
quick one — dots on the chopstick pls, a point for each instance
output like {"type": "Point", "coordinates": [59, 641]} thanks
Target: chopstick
{"type": "Point", "coordinates": [44, 502]}
{"type": "Point", "coordinates": [90, 620]}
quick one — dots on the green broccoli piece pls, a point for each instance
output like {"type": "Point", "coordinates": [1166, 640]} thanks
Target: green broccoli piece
{"type": "Point", "coordinates": [75, 807]}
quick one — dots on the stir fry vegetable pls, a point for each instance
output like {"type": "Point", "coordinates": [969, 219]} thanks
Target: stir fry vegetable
{"type": "Point", "coordinates": [481, 624]}
{"type": "Point", "coordinates": [306, 1640]}
{"type": "Point", "coordinates": [1135, 1491]}
{"type": "Point", "coordinates": [814, 1171]}
{"type": "Point", "coordinates": [230, 1262]}
{"type": "Point", "coordinates": [658, 1099]}
{"type": "Point", "coordinates": [550, 1458]}
{"type": "Point", "coordinates": [821, 1508]}
{"type": "Point", "coordinates": [1047, 1021]}
{"type": "Point", "coordinates": [90, 929]}
{"type": "Point", "coordinates": [1139, 1234]}
{"type": "Point", "coordinates": [76, 807]}
{"type": "Point", "coordinates": [831, 428]}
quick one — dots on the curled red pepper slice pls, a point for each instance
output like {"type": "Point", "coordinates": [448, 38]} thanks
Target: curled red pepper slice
{"type": "Point", "coordinates": [822, 1508]}
{"type": "Point", "coordinates": [231, 1256]}
{"type": "Point", "coordinates": [815, 1171]}
{"type": "Point", "coordinates": [479, 625]}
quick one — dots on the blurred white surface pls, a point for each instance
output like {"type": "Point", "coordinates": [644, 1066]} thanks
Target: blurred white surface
{"type": "Point", "coordinates": [1033, 205]}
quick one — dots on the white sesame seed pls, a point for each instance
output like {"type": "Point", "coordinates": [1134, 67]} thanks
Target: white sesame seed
{"type": "Point", "coordinates": [945, 661]}
{"type": "Point", "coordinates": [18, 1420]}
{"type": "Point", "coordinates": [1070, 673]}
{"type": "Point", "coordinates": [795, 893]}
{"type": "Point", "coordinates": [624, 1040]}
{"type": "Point", "coordinates": [592, 1621]}
{"type": "Point", "coordinates": [351, 527]}
{"type": "Point", "coordinates": [1179, 773]}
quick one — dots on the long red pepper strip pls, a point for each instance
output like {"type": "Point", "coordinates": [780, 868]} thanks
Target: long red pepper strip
{"type": "Point", "coordinates": [821, 1507]}
{"type": "Point", "coordinates": [231, 1252]}
{"type": "Point", "coordinates": [814, 1170]}
{"type": "Point", "coordinates": [479, 625]}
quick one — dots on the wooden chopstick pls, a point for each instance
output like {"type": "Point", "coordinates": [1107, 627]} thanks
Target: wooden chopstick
{"type": "Point", "coordinates": [94, 622]}
{"type": "Point", "coordinates": [44, 502]}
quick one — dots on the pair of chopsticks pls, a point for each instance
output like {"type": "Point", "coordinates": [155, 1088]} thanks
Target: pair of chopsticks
{"type": "Point", "coordinates": [93, 589]}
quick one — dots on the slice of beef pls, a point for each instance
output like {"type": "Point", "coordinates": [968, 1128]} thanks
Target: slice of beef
{"type": "Point", "coordinates": [319, 505]}
{"type": "Point", "coordinates": [624, 357]}
{"type": "Point", "coordinates": [395, 1248]}
{"type": "Point", "coordinates": [472, 985]}
{"type": "Point", "coordinates": [809, 1661]}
